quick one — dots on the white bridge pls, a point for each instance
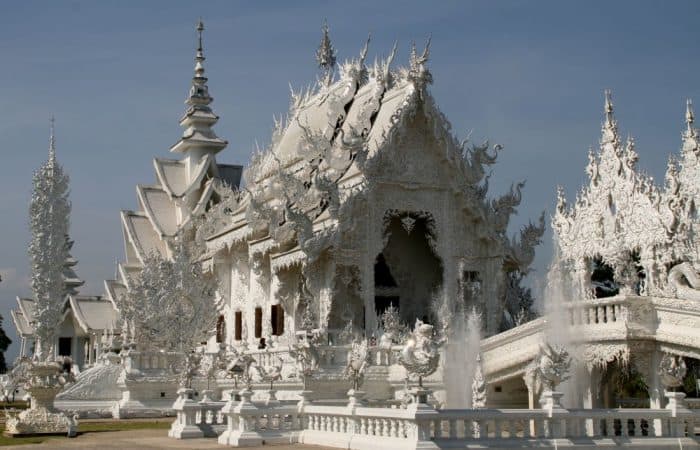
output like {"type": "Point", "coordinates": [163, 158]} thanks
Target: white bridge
{"type": "Point", "coordinates": [622, 328]}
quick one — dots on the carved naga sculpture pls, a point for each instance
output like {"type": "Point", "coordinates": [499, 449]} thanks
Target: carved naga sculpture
{"type": "Point", "coordinates": [683, 279]}
{"type": "Point", "coordinates": [551, 366]}
{"type": "Point", "coordinates": [672, 370]}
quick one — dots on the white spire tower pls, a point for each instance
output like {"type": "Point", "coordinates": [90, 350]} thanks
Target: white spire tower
{"type": "Point", "coordinates": [198, 138]}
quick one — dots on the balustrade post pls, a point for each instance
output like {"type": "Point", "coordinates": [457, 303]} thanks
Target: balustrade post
{"type": "Point", "coordinates": [679, 412]}
{"type": "Point", "coordinates": [551, 402]}
{"type": "Point", "coordinates": [242, 430]}
{"type": "Point", "coordinates": [422, 415]}
{"type": "Point", "coordinates": [185, 426]}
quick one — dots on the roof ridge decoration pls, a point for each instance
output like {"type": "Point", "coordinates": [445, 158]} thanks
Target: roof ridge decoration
{"type": "Point", "coordinates": [418, 71]}
{"type": "Point", "coordinates": [325, 56]}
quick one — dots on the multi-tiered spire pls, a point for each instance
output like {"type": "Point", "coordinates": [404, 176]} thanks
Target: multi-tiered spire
{"type": "Point", "coordinates": [199, 118]}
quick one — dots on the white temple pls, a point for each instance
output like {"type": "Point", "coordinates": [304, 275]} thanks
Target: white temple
{"type": "Point", "coordinates": [364, 202]}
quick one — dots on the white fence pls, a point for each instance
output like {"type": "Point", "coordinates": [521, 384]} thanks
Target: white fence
{"type": "Point", "coordinates": [243, 423]}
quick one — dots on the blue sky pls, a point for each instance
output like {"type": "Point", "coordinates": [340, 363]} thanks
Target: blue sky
{"type": "Point", "coordinates": [528, 75]}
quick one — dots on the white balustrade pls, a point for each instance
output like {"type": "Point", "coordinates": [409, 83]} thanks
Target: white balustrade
{"type": "Point", "coordinates": [420, 425]}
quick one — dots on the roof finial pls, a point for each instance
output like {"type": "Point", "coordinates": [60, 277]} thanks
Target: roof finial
{"type": "Point", "coordinates": [199, 67]}
{"type": "Point", "coordinates": [325, 55]}
{"type": "Point", "coordinates": [608, 107]}
{"type": "Point", "coordinates": [689, 116]}
{"type": "Point", "coordinates": [200, 28]}
{"type": "Point", "coordinates": [52, 139]}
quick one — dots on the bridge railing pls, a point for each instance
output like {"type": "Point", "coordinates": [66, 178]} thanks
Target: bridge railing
{"type": "Point", "coordinates": [599, 311]}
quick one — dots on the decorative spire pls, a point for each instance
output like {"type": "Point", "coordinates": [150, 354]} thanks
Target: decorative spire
{"type": "Point", "coordinates": [199, 92]}
{"type": "Point", "coordinates": [325, 55]}
{"type": "Point", "coordinates": [199, 68]}
{"type": "Point", "coordinates": [52, 140]}
{"type": "Point", "coordinates": [608, 108]}
{"type": "Point", "coordinates": [689, 117]}
{"type": "Point", "coordinates": [609, 126]}
{"type": "Point", "coordinates": [199, 118]}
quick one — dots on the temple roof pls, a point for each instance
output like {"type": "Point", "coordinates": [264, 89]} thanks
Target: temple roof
{"type": "Point", "coordinates": [21, 323]}
{"type": "Point", "coordinates": [183, 188]}
{"type": "Point", "coordinates": [93, 313]}
{"type": "Point", "coordinates": [141, 234]}
{"type": "Point", "coordinates": [156, 204]}
{"type": "Point", "coordinates": [362, 101]}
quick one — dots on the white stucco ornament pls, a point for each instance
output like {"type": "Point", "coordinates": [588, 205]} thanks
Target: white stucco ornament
{"type": "Point", "coordinates": [420, 355]}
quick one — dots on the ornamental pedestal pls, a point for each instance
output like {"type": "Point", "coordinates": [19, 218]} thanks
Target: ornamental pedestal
{"type": "Point", "coordinates": [45, 382]}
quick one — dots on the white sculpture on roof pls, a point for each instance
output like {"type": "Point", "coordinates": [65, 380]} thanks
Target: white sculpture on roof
{"type": "Point", "coordinates": [644, 233]}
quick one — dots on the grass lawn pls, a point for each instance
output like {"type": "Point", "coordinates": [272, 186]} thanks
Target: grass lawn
{"type": "Point", "coordinates": [91, 427]}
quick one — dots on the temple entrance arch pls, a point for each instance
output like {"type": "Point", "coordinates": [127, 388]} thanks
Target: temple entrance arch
{"type": "Point", "coordinates": [407, 271]}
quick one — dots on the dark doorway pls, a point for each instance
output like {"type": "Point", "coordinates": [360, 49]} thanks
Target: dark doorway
{"type": "Point", "coordinates": [64, 346]}
{"type": "Point", "coordinates": [407, 272]}
{"type": "Point", "coordinates": [382, 303]}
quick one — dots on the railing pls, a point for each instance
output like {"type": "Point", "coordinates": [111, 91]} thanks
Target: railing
{"type": "Point", "coordinates": [598, 311]}
{"type": "Point", "coordinates": [197, 419]}
{"type": "Point", "coordinates": [250, 424]}
{"type": "Point", "coordinates": [380, 422]}
{"type": "Point", "coordinates": [542, 424]}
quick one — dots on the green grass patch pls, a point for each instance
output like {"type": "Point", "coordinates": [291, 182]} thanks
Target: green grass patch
{"type": "Point", "coordinates": [90, 427]}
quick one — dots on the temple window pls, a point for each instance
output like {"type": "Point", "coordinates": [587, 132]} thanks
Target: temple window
{"type": "Point", "coordinates": [238, 325]}
{"type": "Point", "coordinates": [220, 329]}
{"type": "Point", "coordinates": [277, 320]}
{"type": "Point", "coordinates": [258, 322]}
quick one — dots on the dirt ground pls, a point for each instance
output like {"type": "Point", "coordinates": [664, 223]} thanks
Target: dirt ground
{"type": "Point", "coordinates": [136, 440]}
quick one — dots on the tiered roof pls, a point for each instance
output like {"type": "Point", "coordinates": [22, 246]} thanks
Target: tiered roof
{"type": "Point", "coordinates": [183, 187]}
{"type": "Point", "coordinates": [92, 313]}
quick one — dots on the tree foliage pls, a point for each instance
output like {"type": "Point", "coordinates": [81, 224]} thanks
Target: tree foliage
{"type": "Point", "coordinates": [171, 303]}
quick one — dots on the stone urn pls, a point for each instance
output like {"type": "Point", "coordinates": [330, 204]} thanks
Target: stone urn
{"type": "Point", "coordinates": [45, 380]}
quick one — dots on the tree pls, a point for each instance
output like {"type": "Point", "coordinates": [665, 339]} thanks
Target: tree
{"type": "Point", "coordinates": [49, 212]}
{"type": "Point", "coordinates": [171, 305]}
{"type": "Point", "coordinates": [4, 343]}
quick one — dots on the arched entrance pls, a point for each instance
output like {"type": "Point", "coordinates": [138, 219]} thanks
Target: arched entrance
{"type": "Point", "coordinates": [407, 272]}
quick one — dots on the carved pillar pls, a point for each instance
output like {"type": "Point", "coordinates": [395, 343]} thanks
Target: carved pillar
{"type": "Point", "coordinates": [582, 275]}
{"type": "Point", "coordinates": [325, 293]}
{"type": "Point", "coordinates": [258, 293]}
{"type": "Point", "coordinates": [647, 363]}
{"type": "Point", "coordinates": [533, 388]}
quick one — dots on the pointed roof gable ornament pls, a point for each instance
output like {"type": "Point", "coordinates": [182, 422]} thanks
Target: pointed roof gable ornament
{"type": "Point", "coordinates": [199, 118]}
{"type": "Point", "coordinates": [417, 69]}
{"type": "Point", "coordinates": [610, 125]}
{"type": "Point", "coordinates": [689, 118]}
{"type": "Point", "coordinates": [325, 55]}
